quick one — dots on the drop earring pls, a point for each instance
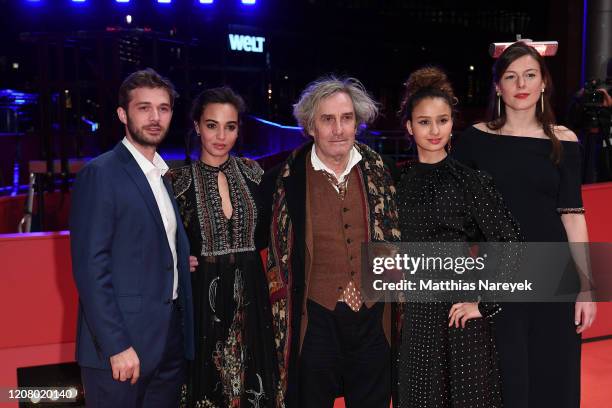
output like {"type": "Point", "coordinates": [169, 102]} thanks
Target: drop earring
{"type": "Point", "coordinates": [449, 144]}
{"type": "Point", "coordinates": [542, 100]}
{"type": "Point", "coordinates": [498, 104]}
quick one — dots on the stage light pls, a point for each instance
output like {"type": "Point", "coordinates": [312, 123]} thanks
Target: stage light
{"type": "Point", "coordinates": [79, 1]}
{"type": "Point", "coordinates": [122, 1]}
{"type": "Point", "coordinates": [544, 48]}
{"type": "Point", "coordinates": [249, 2]}
{"type": "Point", "coordinates": [128, 19]}
{"type": "Point", "coordinates": [94, 126]}
{"type": "Point", "coordinates": [164, 1]}
{"type": "Point", "coordinates": [15, 65]}
{"type": "Point", "coordinates": [207, 1]}
{"type": "Point", "coordinates": [471, 67]}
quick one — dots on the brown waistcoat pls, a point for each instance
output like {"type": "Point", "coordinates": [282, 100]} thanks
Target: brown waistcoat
{"type": "Point", "coordinates": [338, 229]}
{"type": "Point", "coordinates": [328, 283]}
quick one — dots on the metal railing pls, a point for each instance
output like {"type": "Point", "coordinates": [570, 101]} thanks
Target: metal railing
{"type": "Point", "coordinates": [392, 143]}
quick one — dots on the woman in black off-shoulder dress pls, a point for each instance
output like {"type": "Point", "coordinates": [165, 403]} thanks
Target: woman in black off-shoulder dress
{"type": "Point", "coordinates": [447, 356]}
{"type": "Point", "coordinates": [536, 167]}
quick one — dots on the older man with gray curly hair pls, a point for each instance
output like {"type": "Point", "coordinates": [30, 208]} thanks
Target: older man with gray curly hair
{"type": "Point", "coordinates": [331, 195]}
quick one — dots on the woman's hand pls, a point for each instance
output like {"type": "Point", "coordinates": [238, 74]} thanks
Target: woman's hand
{"type": "Point", "coordinates": [193, 263]}
{"type": "Point", "coordinates": [460, 313]}
{"type": "Point", "coordinates": [584, 314]}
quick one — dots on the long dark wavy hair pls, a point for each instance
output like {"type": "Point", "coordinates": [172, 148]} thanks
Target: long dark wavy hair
{"type": "Point", "coordinates": [547, 117]}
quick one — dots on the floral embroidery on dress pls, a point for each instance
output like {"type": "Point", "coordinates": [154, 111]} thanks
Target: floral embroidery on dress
{"type": "Point", "coordinates": [221, 235]}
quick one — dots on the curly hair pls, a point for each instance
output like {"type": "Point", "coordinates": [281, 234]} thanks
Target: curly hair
{"type": "Point", "coordinates": [426, 82]}
{"type": "Point", "coordinates": [304, 111]}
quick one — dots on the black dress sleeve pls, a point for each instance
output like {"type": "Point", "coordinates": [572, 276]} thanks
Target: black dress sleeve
{"type": "Point", "coordinates": [462, 147]}
{"type": "Point", "coordinates": [490, 213]}
{"type": "Point", "coordinates": [183, 186]}
{"type": "Point", "coordinates": [495, 224]}
{"type": "Point", "coordinates": [569, 200]}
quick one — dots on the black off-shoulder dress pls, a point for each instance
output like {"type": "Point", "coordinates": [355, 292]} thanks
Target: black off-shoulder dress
{"type": "Point", "coordinates": [537, 342]}
{"type": "Point", "coordinates": [441, 366]}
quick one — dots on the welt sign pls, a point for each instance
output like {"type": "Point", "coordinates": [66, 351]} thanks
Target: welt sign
{"type": "Point", "coordinates": [246, 43]}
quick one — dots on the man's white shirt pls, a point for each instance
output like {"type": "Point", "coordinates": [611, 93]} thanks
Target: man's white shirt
{"type": "Point", "coordinates": [154, 171]}
{"type": "Point", "coordinates": [318, 165]}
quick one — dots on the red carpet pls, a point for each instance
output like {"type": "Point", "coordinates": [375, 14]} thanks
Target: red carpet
{"type": "Point", "coordinates": [596, 375]}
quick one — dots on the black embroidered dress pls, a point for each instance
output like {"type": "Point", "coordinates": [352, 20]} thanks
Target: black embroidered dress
{"type": "Point", "coordinates": [441, 366]}
{"type": "Point", "coordinates": [234, 364]}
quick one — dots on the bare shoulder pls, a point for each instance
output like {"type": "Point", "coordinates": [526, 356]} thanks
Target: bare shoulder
{"type": "Point", "coordinates": [482, 126]}
{"type": "Point", "coordinates": [564, 134]}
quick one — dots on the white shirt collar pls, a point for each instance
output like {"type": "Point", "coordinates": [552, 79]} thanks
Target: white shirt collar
{"type": "Point", "coordinates": [158, 163]}
{"type": "Point", "coordinates": [317, 164]}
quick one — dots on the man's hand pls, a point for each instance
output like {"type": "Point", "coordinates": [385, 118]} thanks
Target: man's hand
{"type": "Point", "coordinates": [193, 263]}
{"type": "Point", "coordinates": [126, 366]}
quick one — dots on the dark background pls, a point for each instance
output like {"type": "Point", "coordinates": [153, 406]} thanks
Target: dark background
{"type": "Point", "coordinates": [88, 48]}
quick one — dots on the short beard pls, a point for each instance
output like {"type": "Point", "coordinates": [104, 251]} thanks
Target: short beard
{"type": "Point", "coordinates": [141, 139]}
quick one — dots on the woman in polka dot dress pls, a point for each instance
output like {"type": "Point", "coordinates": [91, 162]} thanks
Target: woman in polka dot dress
{"type": "Point", "coordinates": [447, 357]}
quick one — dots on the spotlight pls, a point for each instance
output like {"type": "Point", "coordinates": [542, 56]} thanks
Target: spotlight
{"type": "Point", "coordinates": [79, 1]}
{"type": "Point", "coordinates": [207, 1]}
{"type": "Point", "coordinates": [544, 48]}
{"type": "Point", "coordinates": [122, 1]}
{"type": "Point", "coordinates": [471, 67]}
{"type": "Point", "coordinates": [164, 1]}
{"type": "Point", "coordinates": [128, 19]}
{"type": "Point", "coordinates": [249, 2]}
{"type": "Point", "coordinates": [15, 65]}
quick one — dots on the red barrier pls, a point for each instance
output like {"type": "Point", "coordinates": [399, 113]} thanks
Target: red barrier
{"type": "Point", "coordinates": [38, 300]}
{"type": "Point", "coordinates": [598, 204]}
{"type": "Point", "coordinates": [57, 205]}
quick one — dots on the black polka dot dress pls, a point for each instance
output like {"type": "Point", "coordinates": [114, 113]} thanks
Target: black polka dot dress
{"type": "Point", "coordinates": [440, 366]}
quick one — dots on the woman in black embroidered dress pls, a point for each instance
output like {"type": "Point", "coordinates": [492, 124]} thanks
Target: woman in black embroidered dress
{"type": "Point", "coordinates": [447, 356]}
{"type": "Point", "coordinates": [218, 200]}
